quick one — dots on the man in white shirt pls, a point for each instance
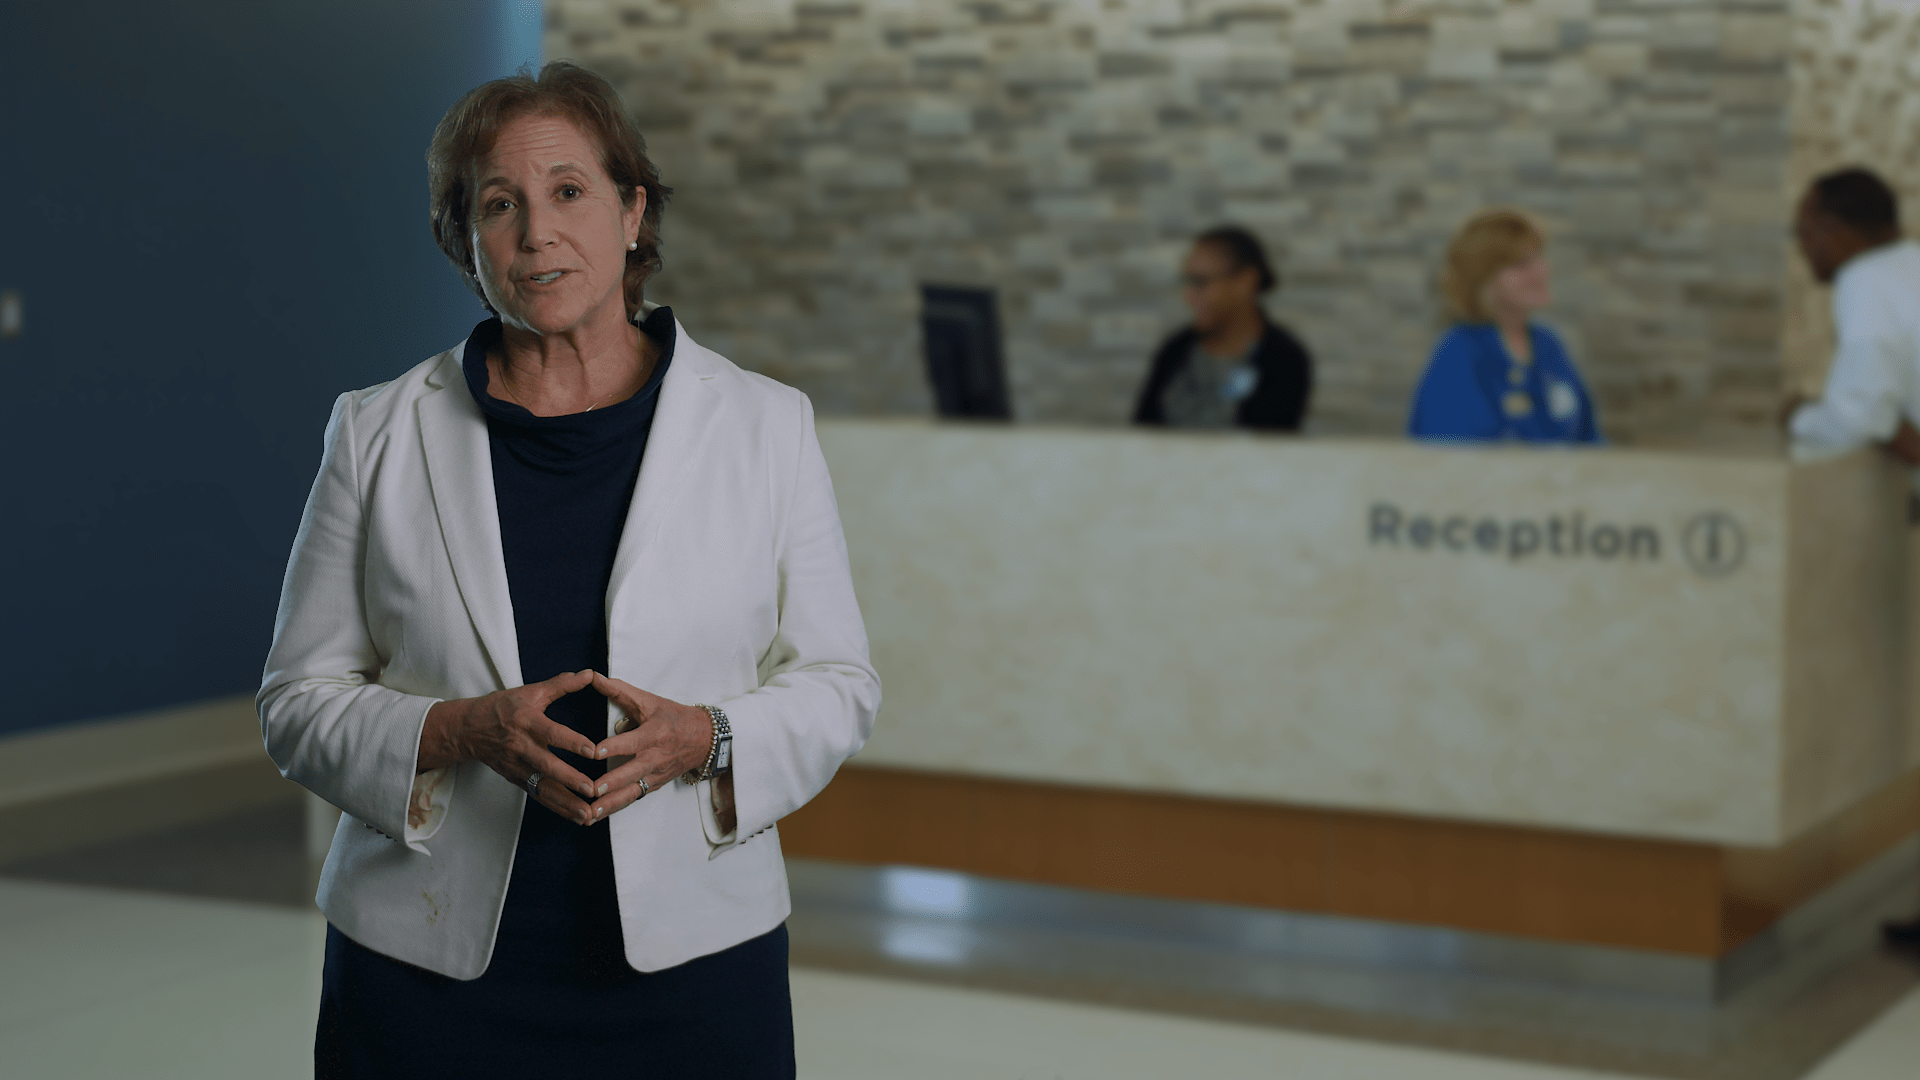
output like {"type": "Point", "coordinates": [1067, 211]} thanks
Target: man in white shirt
{"type": "Point", "coordinates": [1848, 226]}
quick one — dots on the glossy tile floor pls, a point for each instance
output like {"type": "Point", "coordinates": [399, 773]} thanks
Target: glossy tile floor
{"type": "Point", "coordinates": [1826, 980]}
{"type": "Point", "coordinates": [102, 975]}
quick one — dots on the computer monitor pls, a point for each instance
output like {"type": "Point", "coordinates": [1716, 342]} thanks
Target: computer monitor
{"type": "Point", "coordinates": [962, 330]}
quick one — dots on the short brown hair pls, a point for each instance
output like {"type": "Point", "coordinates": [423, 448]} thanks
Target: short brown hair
{"type": "Point", "coordinates": [1488, 243]}
{"type": "Point", "coordinates": [565, 90]}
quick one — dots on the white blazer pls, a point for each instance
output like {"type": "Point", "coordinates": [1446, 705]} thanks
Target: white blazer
{"type": "Point", "coordinates": [730, 587]}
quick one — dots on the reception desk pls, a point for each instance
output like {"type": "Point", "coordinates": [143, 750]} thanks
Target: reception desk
{"type": "Point", "coordinates": [1627, 698]}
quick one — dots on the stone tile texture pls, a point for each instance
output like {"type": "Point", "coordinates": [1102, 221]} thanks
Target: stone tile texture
{"type": "Point", "coordinates": [832, 155]}
{"type": "Point", "coordinates": [1856, 101]}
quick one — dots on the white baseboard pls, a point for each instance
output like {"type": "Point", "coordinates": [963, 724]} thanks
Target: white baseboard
{"type": "Point", "coordinates": [80, 783]}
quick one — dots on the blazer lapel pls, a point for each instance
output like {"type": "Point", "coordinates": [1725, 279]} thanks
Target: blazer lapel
{"type": "Point", "coordinates": [460, 473]}
{"type": "Point", "coordinates": [683, 423]}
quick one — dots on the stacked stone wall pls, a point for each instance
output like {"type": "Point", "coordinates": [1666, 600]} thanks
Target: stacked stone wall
{"type": "Point", "coordinates": [1856, 101]}
{"type": "Point", "coordinates": [832, 155]}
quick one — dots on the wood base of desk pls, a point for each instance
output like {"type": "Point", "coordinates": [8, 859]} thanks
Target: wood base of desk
{"type": "Point", "coordinates": [1696, 899]}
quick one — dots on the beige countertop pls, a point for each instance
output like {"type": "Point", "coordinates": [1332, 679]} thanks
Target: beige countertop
{"type": "Point", "coordinates": [1634, 642]}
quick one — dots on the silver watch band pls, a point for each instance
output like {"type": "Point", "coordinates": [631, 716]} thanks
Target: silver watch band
{"type": "Point", "coordinates": [720, 753]}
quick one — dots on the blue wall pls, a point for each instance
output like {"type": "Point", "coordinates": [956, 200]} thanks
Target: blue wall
{"type": "Point", "coordinates": [215, 213]}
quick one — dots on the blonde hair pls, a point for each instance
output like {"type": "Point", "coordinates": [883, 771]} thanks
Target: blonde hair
{"type": "Point", "coordinates": [1488, 243]}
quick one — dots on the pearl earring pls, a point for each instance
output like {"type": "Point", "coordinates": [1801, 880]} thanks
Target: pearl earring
{"type": "Point", "coordinates": [633, 246]}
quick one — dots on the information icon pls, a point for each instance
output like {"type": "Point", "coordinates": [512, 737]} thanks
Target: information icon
{"type": "Point", "coordinates": [1715, 544]}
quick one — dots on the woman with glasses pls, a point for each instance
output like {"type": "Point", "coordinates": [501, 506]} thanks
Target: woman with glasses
{"type": "Point", "coordinates": [1232, 366]}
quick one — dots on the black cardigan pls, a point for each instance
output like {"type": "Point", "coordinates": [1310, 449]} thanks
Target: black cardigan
{"type": "Point", "coordinates": [1279, 399]}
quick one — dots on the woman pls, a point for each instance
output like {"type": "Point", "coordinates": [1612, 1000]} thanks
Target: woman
{"type": "Point", "coordinates": [1497, 374]}
{"type": "Point", "coordinates": [1233, 365]}
{"type": "Point", "coordinates": [567, 627]}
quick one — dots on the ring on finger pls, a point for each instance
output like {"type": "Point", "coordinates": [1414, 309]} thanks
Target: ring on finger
{"type": "Point", "coordinates": [645, 790]}
{"type": "Point", "coordinates": [533, 784]}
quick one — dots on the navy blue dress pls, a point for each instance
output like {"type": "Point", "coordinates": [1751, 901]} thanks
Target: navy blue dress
{"type": "Point", "coordinates": [558, 988]}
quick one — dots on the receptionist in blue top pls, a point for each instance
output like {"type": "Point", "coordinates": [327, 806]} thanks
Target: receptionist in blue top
{"type": "Point", "coordinates": [1497, 374]}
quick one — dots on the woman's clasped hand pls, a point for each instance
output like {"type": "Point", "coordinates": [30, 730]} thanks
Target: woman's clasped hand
{"type": "Point", "coordinates": [661, 739]}
{"type": "Point", "coordinates": [509, 732]}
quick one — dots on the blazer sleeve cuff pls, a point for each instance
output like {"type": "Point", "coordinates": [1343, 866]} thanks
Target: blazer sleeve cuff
{"type": "Point", "coordinates": [430, 795]}
{"type": "Point", "coordinates": [427, 806]}
{"type": "Point", "coordinates": [717, 841]}
{"type": "Point", "coordinates": [775, 773]}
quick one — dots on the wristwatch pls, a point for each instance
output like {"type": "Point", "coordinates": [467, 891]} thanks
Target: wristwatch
{"type": "Point", "coordinates": [720, 754]}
